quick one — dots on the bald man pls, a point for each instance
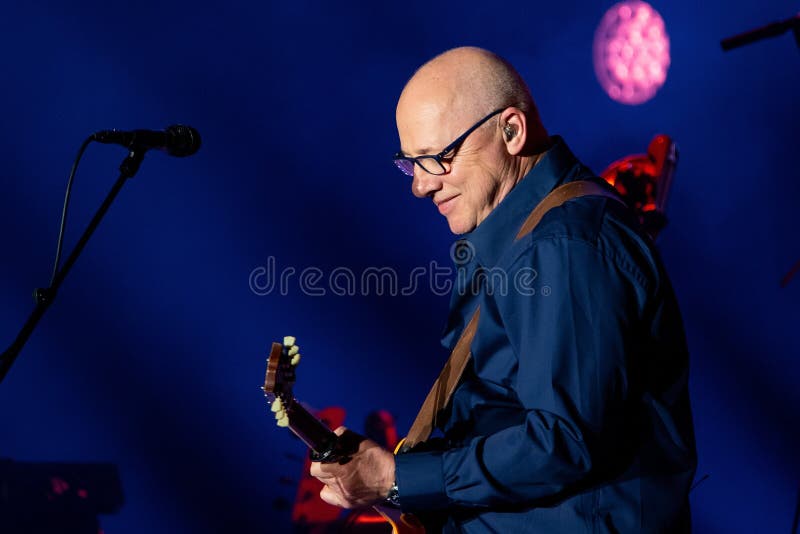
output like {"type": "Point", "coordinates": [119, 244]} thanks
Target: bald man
{"type": "Point", "coordinates": [573, 413]}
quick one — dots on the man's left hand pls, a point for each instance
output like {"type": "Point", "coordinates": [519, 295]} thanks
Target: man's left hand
{"type": "Point", "coordinates": [362, 479]}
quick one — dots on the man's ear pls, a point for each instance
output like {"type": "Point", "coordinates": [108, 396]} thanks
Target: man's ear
{"type": "Point", "coordinates": [515, 130]}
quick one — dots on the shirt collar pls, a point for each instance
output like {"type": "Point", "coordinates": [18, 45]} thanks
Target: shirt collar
{"type": "Point", "coordinates": [495, 234]}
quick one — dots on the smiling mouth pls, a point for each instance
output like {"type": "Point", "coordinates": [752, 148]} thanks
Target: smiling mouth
{"type": "Point", "coordinates": [446, 205]}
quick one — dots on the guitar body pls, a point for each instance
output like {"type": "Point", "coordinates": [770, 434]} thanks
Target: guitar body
{"type": "Point", "coordinates": [324, 444]}
{"type": "Point", "coordinates": [401, 523]}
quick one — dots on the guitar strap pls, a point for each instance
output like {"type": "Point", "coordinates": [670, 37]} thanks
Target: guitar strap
{"type": "Point", "coordinates": [444, 386]}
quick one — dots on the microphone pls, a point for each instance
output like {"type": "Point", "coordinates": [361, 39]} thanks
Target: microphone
{"type": "Point", "coordinates": [177, 140]}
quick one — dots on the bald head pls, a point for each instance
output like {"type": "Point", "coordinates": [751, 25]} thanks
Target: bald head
{"type": "Point", "coordinates": [465, 84]}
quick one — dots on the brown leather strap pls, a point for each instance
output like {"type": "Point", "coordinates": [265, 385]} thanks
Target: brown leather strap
{"type": "Point", "coordinates": [558, 196]}
{"type": "Point", "coordinates": [444, 387]}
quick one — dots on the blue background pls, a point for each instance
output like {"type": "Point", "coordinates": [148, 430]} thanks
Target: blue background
{"type": "Point", "coordinates": [152, 356]}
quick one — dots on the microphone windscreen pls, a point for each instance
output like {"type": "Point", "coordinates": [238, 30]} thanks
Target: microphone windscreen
{"type": "Point", "coordinates": [182, 140]}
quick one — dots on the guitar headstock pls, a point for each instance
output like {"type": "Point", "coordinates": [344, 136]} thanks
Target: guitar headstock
{"type": "Point", "coordinates": [280, 378]}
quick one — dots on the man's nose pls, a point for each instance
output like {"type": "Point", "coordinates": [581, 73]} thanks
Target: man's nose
{"type": "Point", "coordinates": [425, 184]}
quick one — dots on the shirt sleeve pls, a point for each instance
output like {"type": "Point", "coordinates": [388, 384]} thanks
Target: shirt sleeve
{"type": "Point", "coordinates": [574, 337]}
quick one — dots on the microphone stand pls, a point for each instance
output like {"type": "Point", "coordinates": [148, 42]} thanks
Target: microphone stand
{"type": "Point", "coordinates": [764, 32]}
{"type": "Point", "coordinates": [45, 296]}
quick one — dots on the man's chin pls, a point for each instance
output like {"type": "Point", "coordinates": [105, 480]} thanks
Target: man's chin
{"type": "Point", "coordinates": [459, 227]}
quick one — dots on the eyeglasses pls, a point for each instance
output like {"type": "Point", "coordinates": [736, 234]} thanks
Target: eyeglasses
{"type": "Point", "coordinates": [433, 164]}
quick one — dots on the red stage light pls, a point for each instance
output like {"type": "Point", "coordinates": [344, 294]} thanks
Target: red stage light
{"type": "Point", "coordinates": [631, 52]}
{"type": "Point", "coordinates": [644, 181]}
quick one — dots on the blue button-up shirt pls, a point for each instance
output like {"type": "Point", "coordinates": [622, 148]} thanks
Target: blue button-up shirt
{"type": "Point", "coordinates": [573, 414]}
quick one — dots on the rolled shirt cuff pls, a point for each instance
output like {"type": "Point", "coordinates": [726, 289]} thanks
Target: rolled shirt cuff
{"type": "Point", "coordinates": [420, 481]}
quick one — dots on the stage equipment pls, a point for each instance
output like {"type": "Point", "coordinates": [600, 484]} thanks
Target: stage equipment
{"type": "Point", "coordinates": [644, 180]}
{"type": "Point", "coordinates": [764, 32]}
{"type": "Point", "coordinates": [176, 140]}
{"type": "Point", "coordinates": [759, 34]}
{"type": "Point", "coordinates": [57, 498]}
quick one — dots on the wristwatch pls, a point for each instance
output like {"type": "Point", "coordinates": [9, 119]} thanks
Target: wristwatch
{"type": "Point", "coordinates": [394, 496]}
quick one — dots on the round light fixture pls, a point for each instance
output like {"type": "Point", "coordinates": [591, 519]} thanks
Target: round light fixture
{"type": "Point", "coordinates": [631, 52]}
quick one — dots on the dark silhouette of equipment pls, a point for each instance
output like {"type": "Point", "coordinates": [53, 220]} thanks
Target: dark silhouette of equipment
{"type": "Point", "coordinates": [764, 32]}
{"type": "Point", "coordinates": [56, 498]}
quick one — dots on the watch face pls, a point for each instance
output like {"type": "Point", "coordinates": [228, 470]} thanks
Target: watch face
{"type": "Point", "coordinates": [394, 495]}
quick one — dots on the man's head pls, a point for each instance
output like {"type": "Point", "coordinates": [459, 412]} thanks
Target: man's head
{"type": "Point", "coordinates": [442, 101]}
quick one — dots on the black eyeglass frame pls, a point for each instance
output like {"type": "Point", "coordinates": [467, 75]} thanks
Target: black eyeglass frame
{"type": "Point", "coordinates": [400, 157]}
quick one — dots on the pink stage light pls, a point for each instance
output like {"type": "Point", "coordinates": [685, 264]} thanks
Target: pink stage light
{"type": "Point", "coordinates": [631, 52]}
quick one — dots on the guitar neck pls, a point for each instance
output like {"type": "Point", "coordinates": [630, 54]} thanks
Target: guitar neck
{"type": "Point", "coordinates": [311, 431]}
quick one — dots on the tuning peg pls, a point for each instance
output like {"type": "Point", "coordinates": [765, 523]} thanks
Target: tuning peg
{"type": "Point", "coordinates": [277, 405]}
{"type": "Point", "coordinates": [288, 341]}
{"type": "Point", "coordinates": [294, 350]}
{"type": "Point", "coordinates": [295, 359]}
{"type": "Point", "coordinates": [283, 422]}
{"type": "Point", "coordinates": [280, 414]}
